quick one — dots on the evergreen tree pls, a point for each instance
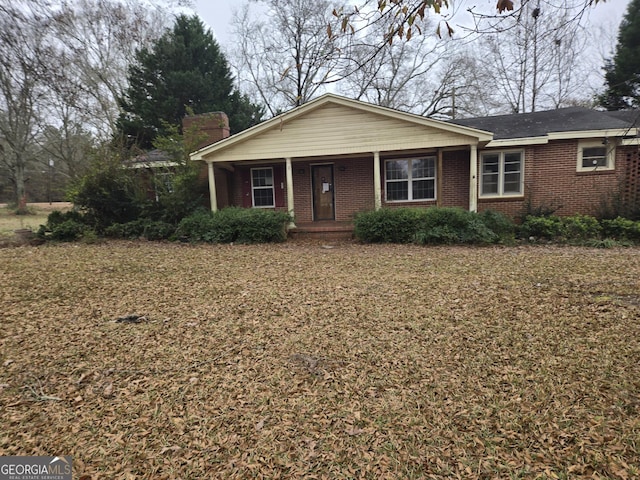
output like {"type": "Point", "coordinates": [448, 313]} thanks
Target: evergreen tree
{"type": "Point", "coordinates": [184, 69]}
{"type": "Point", "coordinates": [622, 74]}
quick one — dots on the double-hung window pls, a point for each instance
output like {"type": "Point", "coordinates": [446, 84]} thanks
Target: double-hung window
{"type": "Point", "coordinates": [595, 156]}
{"type": "Point", "coordinates": [262, 192]}
{"type": "Point", "coordinates": [501, 174]}
{"type": "Point", "coordinates": [410, 179]}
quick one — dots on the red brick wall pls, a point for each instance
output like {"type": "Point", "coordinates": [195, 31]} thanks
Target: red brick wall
{"type": "Point", "coordinates": [353, 187]}
{"type": "Point", "coordinates": [550, 179]}
{"type": "Point", "coordinates": [455, 179]}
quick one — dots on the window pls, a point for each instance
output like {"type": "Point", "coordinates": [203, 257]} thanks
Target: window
{"type": "Point", "coordinates": [410, 179]}
{"type": "Point", "coordinates": [501, 174]}
{"type": "Point", "coordinates": [262, 187]}
{"type": "Point", "coordinates": [595, 156]}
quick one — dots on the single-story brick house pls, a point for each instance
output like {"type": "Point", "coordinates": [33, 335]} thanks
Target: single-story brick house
{"type": "Point", "coordinates": [333, 157]}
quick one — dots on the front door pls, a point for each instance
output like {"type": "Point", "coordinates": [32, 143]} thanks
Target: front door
{"type": "Point", "coordinates": [323, 197]}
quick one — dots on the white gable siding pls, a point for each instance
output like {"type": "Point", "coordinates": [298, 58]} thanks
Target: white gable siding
{"type": "Point", "coordinates": [337, 130]}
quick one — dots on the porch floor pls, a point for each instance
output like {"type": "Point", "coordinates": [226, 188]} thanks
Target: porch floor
{"type": "Point", "coordinates": [323, 229]}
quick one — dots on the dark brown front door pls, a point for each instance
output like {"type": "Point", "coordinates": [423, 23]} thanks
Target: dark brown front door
{"type": "Point", "coordinates": [322, 181]}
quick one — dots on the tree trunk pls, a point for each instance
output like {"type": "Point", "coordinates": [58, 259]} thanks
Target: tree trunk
{"type": "Point", "coordinates": [20, 191]}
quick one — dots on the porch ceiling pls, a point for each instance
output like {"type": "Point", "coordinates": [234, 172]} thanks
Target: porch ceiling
{"type": "Point", "coordinates": [333, 125]}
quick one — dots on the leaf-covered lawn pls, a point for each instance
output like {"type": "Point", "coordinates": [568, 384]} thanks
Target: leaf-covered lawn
{"type": "Point", "coordinates": [297, 360]}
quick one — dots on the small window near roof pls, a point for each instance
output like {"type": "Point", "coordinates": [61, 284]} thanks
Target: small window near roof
{"type": "Point", "coordinates": [595, 156]}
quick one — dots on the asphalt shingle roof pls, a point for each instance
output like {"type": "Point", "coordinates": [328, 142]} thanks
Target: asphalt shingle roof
{"type": "Point", "coordinates": [537, 124]}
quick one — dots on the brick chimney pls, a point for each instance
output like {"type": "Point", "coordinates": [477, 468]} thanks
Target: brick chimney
{"type": "Point", "coordinates": [204, 129]}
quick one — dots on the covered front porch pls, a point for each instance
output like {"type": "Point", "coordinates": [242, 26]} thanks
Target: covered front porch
{"type": "Point", "coordinates": [329, 159]}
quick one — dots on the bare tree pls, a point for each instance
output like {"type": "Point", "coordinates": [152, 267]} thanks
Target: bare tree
{"type": "Point", "coordinates": [427, 76]}
{"type": "Point", "coordinates": [537, 63]}
{"type": "Point", "coordinates": [63, 68]}
{"type": "Point", "coordinates": [286, 57]}
{"type": "Point", "coordinates": [403, 19]}
{"type": "Point", "coordinates": [25, 48]}
{"type": "Point", "coordinates": [101, 38]}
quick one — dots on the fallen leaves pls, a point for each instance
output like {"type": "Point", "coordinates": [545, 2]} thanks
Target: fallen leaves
{"type": "Point", "coordinates": [295, 360]}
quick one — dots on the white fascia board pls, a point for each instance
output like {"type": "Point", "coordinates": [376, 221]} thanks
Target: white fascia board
{"type": "Point", "coordinates": [517, 142]}
{"type": "Point", "coordinates": [630, 142]}
{"type": "Point", "coordinates": [619, 132]}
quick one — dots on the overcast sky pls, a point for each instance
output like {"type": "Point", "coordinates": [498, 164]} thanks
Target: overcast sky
{"type": "Point", "coordinates": [217, 14]}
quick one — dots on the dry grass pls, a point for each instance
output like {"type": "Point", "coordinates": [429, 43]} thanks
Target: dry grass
{"type": "Point", "coordinates": [9, 221]}
{"type": "Point", "coordinates": [297, 360]}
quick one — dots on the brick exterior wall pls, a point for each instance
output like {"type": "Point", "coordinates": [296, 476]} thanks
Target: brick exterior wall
{"type": "Point", "coordinates": [550, 180]}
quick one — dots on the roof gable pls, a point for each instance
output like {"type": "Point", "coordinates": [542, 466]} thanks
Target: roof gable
{"type": "Point", "coordinates": [333, 125]}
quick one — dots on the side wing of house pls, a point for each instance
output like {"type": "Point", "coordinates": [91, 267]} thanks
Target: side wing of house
{"type": "Point", "coordinates": [567, 161]}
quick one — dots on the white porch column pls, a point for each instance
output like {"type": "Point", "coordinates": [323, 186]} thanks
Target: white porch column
{"type": "Point", "coordinates": [289, 176]}
{"type": "Point", "coordinates": [377, 187]}
{"type": "Point", "coordinates": [212, 188]}
{"type": "Point", "coordinates": [473, 179]}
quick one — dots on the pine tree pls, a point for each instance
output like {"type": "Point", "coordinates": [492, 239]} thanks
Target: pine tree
{"type": "Point", "coordinates": [184, 69]}
{"type": "Point", "coordinates": [622, 73]}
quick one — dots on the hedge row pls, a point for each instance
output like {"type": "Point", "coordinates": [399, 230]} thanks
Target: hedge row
{"type": "Point", "coordinates": [225, 226]}
{"type": "Point", "coordinates": [433, 226]}
{"type": "Point", "coordinates": [458, 226]}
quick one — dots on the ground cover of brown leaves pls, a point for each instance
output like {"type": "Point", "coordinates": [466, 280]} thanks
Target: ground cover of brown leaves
{"type": "Point", "coordinates": [298, 360]}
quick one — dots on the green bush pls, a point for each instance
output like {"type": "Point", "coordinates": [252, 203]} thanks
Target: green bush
{"type": "Point", "coordinates": [68, 231]}
{"type": "Point", "coordinates": [453, 225]}
{"type": "Point", "coordinates": [235, 224]}
{"type": "Point", "coordinates": [64, 226]}
{"type": "Point", "coordinates": [131, 230]}
{"type": "Point", "coordinates": [621, 229]}
{"type": "Point", "coordinates": [548, 227]}
{"type": "Point", "coordinates": [433, 225]}
{"type": "Point", "coordinates": [501, 225]}
{"type": "Point", "coordinates": [141, 228]}
{"type": "Point", "coordinates": [581, 227]}
{"type": "Point", "coordinates": [108, 194]}
{"type": "Point", "coordinates": [387, 225]}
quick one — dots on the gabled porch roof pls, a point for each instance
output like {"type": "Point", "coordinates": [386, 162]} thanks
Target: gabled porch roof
{"type": "Point", "coordinates": [335, 125]}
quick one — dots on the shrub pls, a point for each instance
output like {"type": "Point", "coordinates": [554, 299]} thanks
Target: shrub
{"type": "Point", "coordinates": [453, 225]}
{"type": "Point", "coordinates": [550, 227]}
{"type": "Point", "coordinates": [261, 226]}
{"type": "Point", "coordinates": [501, 225]}
{"type": "Point", "coordinates": [581, 227]}
{"type": "Point", "coordinates": [197, 227]}
{"type": "Point", "coordinates": [235, 225]}
{"type": "Point", "coordinates": [158, 230]}
{"type": "Point", "coordinates": [141, 228]}
{"type": "Point", "coordinates": [387, 225]}
{"type": "Point", "coordinates": [64, 226]}
{"type": "Point", "coordinates": [621, 229]}
{"type": "Point", "coordinates": [125, 230]}
{"type": "Point", "coordinates": [108, 194]}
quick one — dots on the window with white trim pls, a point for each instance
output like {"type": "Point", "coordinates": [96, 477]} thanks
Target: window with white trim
{"type": "Point", "coordinates": [411, 179]}
{"type": "Point", "coordinates": [262, 193]}
{"type": "Point", "coordinates": [501, 174]}
{"type": "Point", "coordinates": [594, 156]}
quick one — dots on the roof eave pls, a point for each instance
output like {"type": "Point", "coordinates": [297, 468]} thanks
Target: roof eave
{"type": "Point", "coordinates": [612, 132]}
